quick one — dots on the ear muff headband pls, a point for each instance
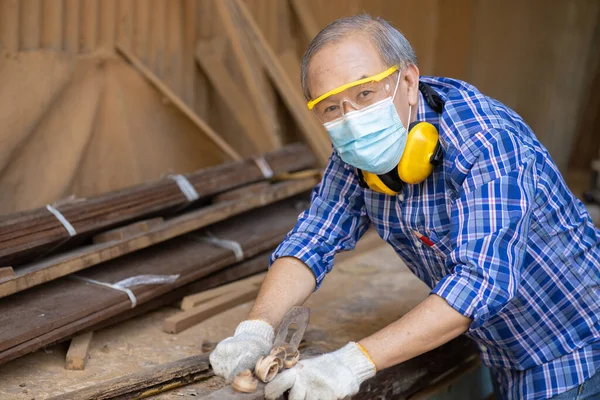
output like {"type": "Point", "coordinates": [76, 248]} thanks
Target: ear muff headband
{"type": "Point", "coordinates": [375, 78]}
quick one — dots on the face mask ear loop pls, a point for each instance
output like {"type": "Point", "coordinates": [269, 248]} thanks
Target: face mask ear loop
{"type": "Point", "coordinates": [397, 83]}
{"type": "Point", "coordinates": [409, 114]}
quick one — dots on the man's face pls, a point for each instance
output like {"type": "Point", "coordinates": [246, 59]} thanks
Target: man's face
{"type": "Point", "coordinates": [355, 58]}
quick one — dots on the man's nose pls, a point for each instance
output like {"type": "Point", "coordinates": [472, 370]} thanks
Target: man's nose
{"type": "Point", "coordinates": [347, 106]}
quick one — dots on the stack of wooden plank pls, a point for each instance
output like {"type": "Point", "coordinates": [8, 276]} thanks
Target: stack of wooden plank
{"type": "Point", "coordinates": [131, 271]}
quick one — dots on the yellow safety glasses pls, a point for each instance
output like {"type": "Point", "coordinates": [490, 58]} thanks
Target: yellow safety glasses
{"type": "Point", "coordinates": [358, 94]}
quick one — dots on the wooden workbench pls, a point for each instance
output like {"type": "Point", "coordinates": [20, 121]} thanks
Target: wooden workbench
{"type": "Point", "coordinates": [369, 288]}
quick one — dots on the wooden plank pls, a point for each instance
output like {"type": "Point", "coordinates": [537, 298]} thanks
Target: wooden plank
{"type": "Point", "coordinates": [9, 25]}
{"type": "Point", "coordinates": [78, 352]}
{"type": "Point", "coordinates": [311, 128]}
{"type": "Point", "coordinates": [253, 78]}
{"type": "Point", "coordinates": [308, 22]}
{"type": "Point", "coordinates": [89, 25]}
{"type": "Point", "coordinates": [173, 47]}
{"type": "Point", "coordinates": [31, 21]}
{"type": "Point", "coordinates": [65, 264]}
{"type": "Point", "coordinates": [52, 24]}
{"type": "Point", "coordinates": [107, 29]}
{"type": "Point", "coordinates": [186, 319]}
{"type": "Point", "coordinates": [26, 235]}
{"type": "Point", "coordinates": [291, 63]}
{"type": "Point", "coordinates": [158, 35]}
{"type": "Point", "coordinates": [189, 42]}
{"type": "Point", "coordinates": [127, 231]}
{"type": "Point", "coordinates": [453, 42]}
{"type": "Point", "coordinates": [77, 306]}
{"type": "Point", "coordinates": [71, 27]}
{"type": "Point", "coordinates": [209, 58]}
{"type": "Point", "coordinates": [245, 191]}
{"type": "Point", "coordinates": [125, 28]}
{"type": "Point", "coordinates": [194, 300]}
{"type": "Point", "coordinates": [416, 375]}
{"type": "Point", "coordinates": [184, 108]}
{"type": "Point", "coordinates": [6, 272]}
{"type": "Point", "coordinates": [142, 29]}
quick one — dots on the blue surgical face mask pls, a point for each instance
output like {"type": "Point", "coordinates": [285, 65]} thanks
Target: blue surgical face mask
{"type": "Point", "coordinates": [371, 139]}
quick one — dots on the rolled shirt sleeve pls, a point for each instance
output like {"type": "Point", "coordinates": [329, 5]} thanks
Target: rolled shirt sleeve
{"type": "Point", "coordinates": [334, 222]}
{"type": "Point", "coordinates": [490, 221]}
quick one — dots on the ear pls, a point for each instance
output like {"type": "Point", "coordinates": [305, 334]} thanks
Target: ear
{"type": "Point", "coordinates": [411, 80]}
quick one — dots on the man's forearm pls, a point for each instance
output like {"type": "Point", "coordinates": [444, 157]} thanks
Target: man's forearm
{"type": "Point", "coordinates": [288, 283]}
{"type": "Point", "coordinates": [429, 325]}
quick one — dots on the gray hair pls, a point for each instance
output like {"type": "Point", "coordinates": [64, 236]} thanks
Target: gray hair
{"type": "Point", "coordinates": [392, 46]}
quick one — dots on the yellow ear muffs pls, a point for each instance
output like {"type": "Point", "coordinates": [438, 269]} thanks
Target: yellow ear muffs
{"type": "Point", "coordinates": [421, 153]}
{"type": "Point", "coordinates": [417, 161]}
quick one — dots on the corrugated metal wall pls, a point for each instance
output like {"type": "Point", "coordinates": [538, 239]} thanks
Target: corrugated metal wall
{"type": "Point", "coordinates": [530, 54]}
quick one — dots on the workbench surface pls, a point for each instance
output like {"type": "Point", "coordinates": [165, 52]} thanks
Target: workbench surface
{"type": "Point", "coordinates": [368, 289]}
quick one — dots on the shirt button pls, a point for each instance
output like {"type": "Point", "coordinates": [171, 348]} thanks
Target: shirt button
{"type": "Point", "coordinates": [483, 347]}
{"type": "Point", "coordinates": [401, 197]}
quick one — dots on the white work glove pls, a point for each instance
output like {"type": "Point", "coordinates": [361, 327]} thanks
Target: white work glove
{"type": "Point", "coordinates": [251, 340]}
{"type": "Point", "coordinates": [331, 376]}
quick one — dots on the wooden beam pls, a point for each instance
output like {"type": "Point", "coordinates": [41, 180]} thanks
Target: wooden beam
{"type": "Point", "coordinates": [209, 55]}
{"type": "Point", "coordinates": [184, 108]}
{"type": "Point", "coordinates": [6, 272]}
{"type": "Point", "coordinates": [306, 17]}
{"type": "Point", "coordinates": [186, 319]}
{"type": "Point", "coordinates": [311, 128]}
{"type": "Point", "coordinates": [127, 231]}
{"type": "Point", "coordinates": [84, 257]}
{"type": "Point", "coordinates": [253, 77]}
{"type": "Point", "coordinates": [78, 352]}
{"type": "Point", "coordinates": [52, 24]}
{"type": "Point", "coordinates": [195, 300]}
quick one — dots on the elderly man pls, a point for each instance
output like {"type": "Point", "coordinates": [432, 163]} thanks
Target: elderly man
{"type": "Point", "coordinates": [460, 187]}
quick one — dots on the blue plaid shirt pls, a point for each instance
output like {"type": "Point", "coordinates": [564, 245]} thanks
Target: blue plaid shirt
{"type": "Point", "coordinates": [513, 250]}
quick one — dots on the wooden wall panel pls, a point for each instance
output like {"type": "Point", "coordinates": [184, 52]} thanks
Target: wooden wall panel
{"type": "Point", "coordinates": [537, 66]}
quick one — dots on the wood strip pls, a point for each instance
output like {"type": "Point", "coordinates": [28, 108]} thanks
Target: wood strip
{"type": "Point", "coordinates": [453, 42]}
{"type": "Point", "coordinates": [416, 375]}
{"type": "Point", "coordinates": [308, 22]}
{"type": "Point", "coordinates": [6, 272]}
{"type": "Point", "coordinates": [189, 43]}
{"type": "Point", "coordinates": [107, 24]}
{"type": "Point", "coordinates": [31, 20]}
{"type": "Point", "coordinates": [157, 41]}
{"type": "Point", "coordinates": [78, 352]}
{"type": "Point", "coordinates": [71, 27]}
{"type": "Point", "coordinates": [77, 306]}
{"type": "Point", "coordinates": [195, 300]}
{"type": "Point", "coordinates": [52, 24]}
{"type": "Point", "coordinates": [173, 48]}
{"type": "Point", "coordinates": [141, 30]}
{"type": "Point", "coordinates": [59, 266]}
{"type": "Point", "coordinates": [9, 24]}
{"type": "Point", "coordinates": [125, 29]}
{"type": "Point", "coordinates": [312, 130]}
{"type": "Point", "coordinates": [245, 191]}
{"type": "Point", "coordinates": [128, 231]}
{"type": "Point", "coordinates": [89, 25]}
{"type": "Point", "coordinates": [28, 234]}
{"type": "Point", "coordinates": [253, 78]}
{"type": "Point", "coordinates": [213, 65]}
{"type": "Point", "coordinates": [186, 319]}
{"type": "Point", "coordinates": [184, 108]}
{"type": "Point", "coordinates": [291, 63]}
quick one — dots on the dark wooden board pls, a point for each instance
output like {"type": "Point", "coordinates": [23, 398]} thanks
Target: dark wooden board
{"type": "Point", "coordinates": [28, 235]}
{"type": "Point", "coordinates": [58, 266]}
{"type": "Point", "coordinates": [191, 258]}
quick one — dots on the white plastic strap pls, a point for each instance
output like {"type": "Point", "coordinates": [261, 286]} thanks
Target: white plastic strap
{"type": "Point", "coordinates": [125, 284]}
{"type": "Point", "coordinates": [186, 187]}
{"type": "Point", "coordinates": [61, 218]}
{"type": "Point", "coordinates": [226, 244]}
{"type": "Point", "coordinates": [264, 167]}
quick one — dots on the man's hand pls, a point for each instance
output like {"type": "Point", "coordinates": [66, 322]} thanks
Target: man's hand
{"type": "Point", "coordinates": [252, 340]}
{"type": "Point", "coordinates": [330, 376]}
